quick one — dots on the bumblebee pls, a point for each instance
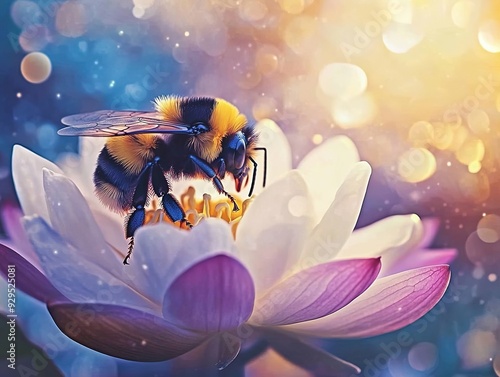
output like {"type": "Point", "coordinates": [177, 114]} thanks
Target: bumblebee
{"type": "Point", "coordinates": [192, 137]}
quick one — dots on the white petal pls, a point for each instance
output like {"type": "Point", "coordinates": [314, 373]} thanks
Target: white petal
{"type": "Point", "coordinates": [279, 155]}
{"type": "Point", "coordinates": [112, 227]}
{"type": "Point", "coordinates": [77, 278]}
{"type": "Point", "coordinates": [162, 252]}
{"type": "Point", "coordinates": [392, 238]}
{"type": "Point", "coordinates": [27, 174]}
{"type": "Point", "coordinates": [325, 168]}
{"type": "Point", "coordinates": [337, 224]}
{"type": "Point", "coordinates": [272, 233]}
{"type": "Point", "coordinates": [71, 218]}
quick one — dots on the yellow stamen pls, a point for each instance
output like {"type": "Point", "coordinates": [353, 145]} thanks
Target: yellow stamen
{"type": "Point", "coordinates": [196, 210]}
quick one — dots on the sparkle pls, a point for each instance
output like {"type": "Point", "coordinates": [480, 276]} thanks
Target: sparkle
{"type": "Point", "coordinates": [58, 95]}
{"type": "Point", "coordinates": [112, 83]}
{"type": "Point", "coordinates": [120, 32]}
{"type": "Point", "coordinates": [144, 267]}
{"type": "Point", "coordinates": [186, 33]}
{"type": "Point", "coordinates": [317, 139]}
{"type": "Point", "coordinates": [19, 94]}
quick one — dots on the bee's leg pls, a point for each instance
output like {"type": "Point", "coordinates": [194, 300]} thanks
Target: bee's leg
{"type": "Point", "coordinates": [220, 166]}
{"type": "Point", "coordinates": [136, 219]}
{"type": "Point", "coordinates": [210, 173]}
{"type": "Point", "coordinates": [161, 188]}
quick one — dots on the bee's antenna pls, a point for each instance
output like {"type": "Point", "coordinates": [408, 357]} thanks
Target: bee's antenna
{"type": "Point", "coordinates": [265, 163]}
{"type": "Point", "coordinates": [254, 175]}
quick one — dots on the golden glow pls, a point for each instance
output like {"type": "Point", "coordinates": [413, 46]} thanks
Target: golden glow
{"type": "Point", "coordinates": [416, 165]}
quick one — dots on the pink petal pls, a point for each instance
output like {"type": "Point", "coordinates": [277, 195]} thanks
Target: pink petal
{"type": "Point", "coordinates": [162, 252]}
{"type": "Point", "coordinates": [123, 332]}
{"type": "Point", "coordinates": [11, 220]}
{"type": "Point", "coordinates": [431, 227]}
{"type": "Point", "coordinates": [315, 292]}
{"type": "Point", "coordinates": [28, 278]}
{"type": "Point", "coordinates": [310, 358]}
{"type": "Point", "coordinates": [213, 295]}
{"type": "Point", "coordinates": [389, 304]}
{"type": "Point", "coordinates": [423, 258]}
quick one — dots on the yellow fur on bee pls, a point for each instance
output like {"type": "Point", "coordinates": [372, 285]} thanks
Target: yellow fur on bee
{"type": "Point", "coordinates": [169, 107]}
{"type": "Point", "coordinates": [132, 151]}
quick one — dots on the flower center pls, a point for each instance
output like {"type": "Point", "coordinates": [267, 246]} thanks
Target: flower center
{"type": "Point", "coordinates": [196, 209]}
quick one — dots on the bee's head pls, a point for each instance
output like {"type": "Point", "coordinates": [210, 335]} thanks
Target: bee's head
{"type": "Point", "coordinates": [236, 155]}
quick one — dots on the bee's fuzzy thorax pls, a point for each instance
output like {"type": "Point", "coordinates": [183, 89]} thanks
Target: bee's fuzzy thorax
{"type": "Point", "coordinates": [222, 117]}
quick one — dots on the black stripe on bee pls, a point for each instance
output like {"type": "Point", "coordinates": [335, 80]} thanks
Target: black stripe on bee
{"type": "Point", "coordinates": [197, 109]}
{"type": "Point", "coordinates": [109, 171]}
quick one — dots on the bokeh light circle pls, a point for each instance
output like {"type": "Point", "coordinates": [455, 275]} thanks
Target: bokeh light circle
{"type": "Point", "coordinates": [423, 356]}
{"type": "Point", "coordinates": [36, 67]}
{"type": "Point", "coordinates": [342, 80]}
{"type": "Point", "coordinates": [463, 13]}
{"type": "Point", "coordinates": [400, 38]}
{"type": "Point", "coordinates": [488, 228]}
{"type": "Point", "coordinates": [476, 348]}
{"type": "Point", "coordinates": [354, 112]}
{"type": "Point", "coordinates": [71, 19]}
{"type": "Point", "coordinates": [489, 36]}
{"type": "Point", "coordinates": [416, 165]}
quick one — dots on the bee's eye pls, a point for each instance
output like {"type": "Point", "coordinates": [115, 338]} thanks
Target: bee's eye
{"type": "Point", "coordinates": [240, 152]}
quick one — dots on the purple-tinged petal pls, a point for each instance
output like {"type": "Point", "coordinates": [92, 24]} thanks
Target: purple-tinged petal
{"type": "Point", "coordinates": [123, 332]}
{"type": "Point", "coordinates": [11, 220]}
{"type": "Point", "coordinates": [431, 227]}
{"type": "Point", "coordinates": [77, 278]}
{"type": "Point", "coordinates": [27, 175]}
{"type": "Point", "coordinates": [27, 277]}
{"type": "Point", "coordinates": [389, 304]}
{"type": "Point", "coordinates": [315, 292]}
{"type": "Point", "coordinates": [271, 235]}
{"type": "Point", "coordinates": [216, 294]}
{"type": "Point", "coordinates": [325, 168]}
{"type": "Point", "coordinates": [337, 224]}
{"type": "Point", "coordinates": [309, 357]}
{"type": "Point", "coordinates": [422, 258]}
{"type": "Point", "coordinates": [162, 252]}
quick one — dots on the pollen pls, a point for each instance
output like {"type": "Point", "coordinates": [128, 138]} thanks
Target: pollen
{"type": "Point", "coordinates": [198, 209]}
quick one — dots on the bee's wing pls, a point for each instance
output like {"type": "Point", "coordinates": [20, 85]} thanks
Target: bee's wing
{"type": "Point", "coordinates": [116, 123]}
